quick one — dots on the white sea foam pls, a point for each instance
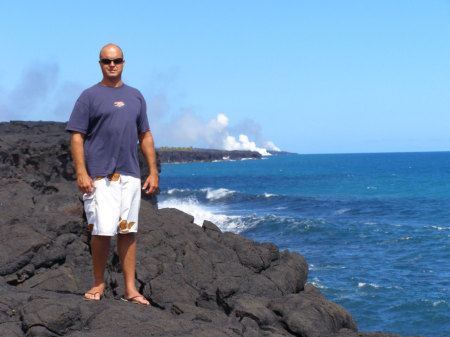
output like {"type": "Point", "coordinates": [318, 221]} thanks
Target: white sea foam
{"type": "Point", "coordinates": [201, 212]}
{"type": "Point", "coordinates": [370, 223]}
{"type": "Point", "coordinates": [268, 195]}
{"type": "Point", "coordinates": [215, 194]}
{"type": "Point", "coordinates": [363, 284]}
{"type": "Point", "coordinates": [342, 211]}
{"type": "Point", "coordinates": [440, 228]}
{"type": "Point", "coordinates": [175, 190]}
{"type": "Point", "coordinates": [318, 283]}
{"type": "Point", "coordinates": [435, 304]}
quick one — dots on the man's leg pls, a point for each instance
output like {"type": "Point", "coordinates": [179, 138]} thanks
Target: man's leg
{"type": "Point", "coordinates": [99, 249]}
{"type": "Point", "coordinates": [126, 247]}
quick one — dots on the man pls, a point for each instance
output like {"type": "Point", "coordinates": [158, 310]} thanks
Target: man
{"type": "Point", "coordinates": [106, 123]}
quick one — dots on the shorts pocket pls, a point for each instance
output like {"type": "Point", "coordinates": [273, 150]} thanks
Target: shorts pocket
{"type": "Point", "coordinates": [89, 206]}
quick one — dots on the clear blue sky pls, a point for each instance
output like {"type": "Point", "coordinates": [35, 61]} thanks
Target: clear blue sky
{"type": "Point", "coordinates": [311, 76]}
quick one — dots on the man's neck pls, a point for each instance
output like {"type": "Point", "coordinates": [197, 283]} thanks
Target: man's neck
{"type": "Point", "coordinates": [111, 83]}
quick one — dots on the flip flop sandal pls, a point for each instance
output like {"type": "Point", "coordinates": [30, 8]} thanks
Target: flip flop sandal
{"type": "Point", "coordinates": [93, 294]}
{"type": "Point", "coordinates": [133, 300]}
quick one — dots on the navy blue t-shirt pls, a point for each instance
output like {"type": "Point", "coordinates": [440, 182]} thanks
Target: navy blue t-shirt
{"type": "Point", "coordinates": [111, 119]}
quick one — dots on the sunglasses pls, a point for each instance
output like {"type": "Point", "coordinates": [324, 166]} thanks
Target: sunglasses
{"type": "Point", "coordinates": [109, 61]}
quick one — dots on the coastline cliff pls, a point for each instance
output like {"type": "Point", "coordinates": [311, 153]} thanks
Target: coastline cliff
{"type": "Point", "coordinates": [189, 155]}
{"type": "Point", "coordinates": [200, 281]}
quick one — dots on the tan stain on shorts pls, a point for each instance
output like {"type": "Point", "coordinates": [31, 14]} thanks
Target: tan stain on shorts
{"type": "Point", "coordinates": [125, 226]}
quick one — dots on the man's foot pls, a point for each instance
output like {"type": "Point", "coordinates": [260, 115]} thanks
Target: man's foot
{"type": "Point", "coordinates": [95, 294]}
{"type": "Point", "coordinates": [138, 299]}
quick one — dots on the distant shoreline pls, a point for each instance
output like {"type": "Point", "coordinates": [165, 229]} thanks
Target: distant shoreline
{"type": "Point", "coordinates": [178, 155]}
{"type": "Point", "coordinates": [190, 155]}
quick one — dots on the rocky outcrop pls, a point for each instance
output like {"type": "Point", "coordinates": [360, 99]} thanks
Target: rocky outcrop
{"type": "Point", "coordinates": [200, 281]}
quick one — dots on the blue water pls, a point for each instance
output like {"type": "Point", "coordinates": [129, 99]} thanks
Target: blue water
{"type": "Point", "coordinates": [374, 228]}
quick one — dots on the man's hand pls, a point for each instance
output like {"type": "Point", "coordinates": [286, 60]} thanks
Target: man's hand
{"type": "Point", "coordinates": [148, 149]}
{"type": "Point", "coordinates": [85, 183]}
{"type": "Point", "coordinates": [151, 184]}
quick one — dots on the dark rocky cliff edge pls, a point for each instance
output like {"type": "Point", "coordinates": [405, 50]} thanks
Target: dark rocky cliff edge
{"type": "Point", "coordinates": [190, 155]}
{"type": "Point", "coordinates": [199, 280]}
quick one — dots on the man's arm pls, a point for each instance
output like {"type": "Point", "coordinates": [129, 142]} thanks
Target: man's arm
{"type": "Point", "coordinates": [148, 149]}
{"type": "Point", "coordinates": [85, 183]}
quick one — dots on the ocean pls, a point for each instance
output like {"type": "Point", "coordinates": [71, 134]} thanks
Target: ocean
{"type": "Point", "coordinates": [374, 228]}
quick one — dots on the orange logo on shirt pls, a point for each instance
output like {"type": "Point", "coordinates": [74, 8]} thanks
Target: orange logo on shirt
{"type": "Point", "coordinates": [119, 104]}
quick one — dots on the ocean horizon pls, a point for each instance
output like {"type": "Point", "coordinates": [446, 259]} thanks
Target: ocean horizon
{"type": "Point", "coordinates": [373, 227]}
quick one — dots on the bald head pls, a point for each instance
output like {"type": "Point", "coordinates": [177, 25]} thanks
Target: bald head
{"type": "Point", "coordinates": [110, 48]}
{"type": "Point", "coordinates": [111, 63]}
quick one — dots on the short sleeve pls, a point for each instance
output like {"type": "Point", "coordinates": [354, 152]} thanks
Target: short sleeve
{"type": "Point", "coordinates": [143, 125]}
{"type": "Point", "coordinates": [79, 119]}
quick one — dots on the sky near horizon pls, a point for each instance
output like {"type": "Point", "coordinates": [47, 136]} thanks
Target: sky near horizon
{"type": "Point", "coordinates": [309, 76]}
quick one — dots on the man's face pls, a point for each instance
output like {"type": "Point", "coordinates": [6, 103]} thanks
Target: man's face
{"type": "Point", "coordinates": [111, 70]}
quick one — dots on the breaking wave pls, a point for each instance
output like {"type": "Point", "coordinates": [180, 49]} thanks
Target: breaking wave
{"type": "Point", "coordinates": [201, 212]}
{"type": "Point", "coordinates": [216, 193]}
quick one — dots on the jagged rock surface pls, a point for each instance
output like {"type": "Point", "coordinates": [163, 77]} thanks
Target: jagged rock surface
{"type": "Point", "coordinates": [199, 280]}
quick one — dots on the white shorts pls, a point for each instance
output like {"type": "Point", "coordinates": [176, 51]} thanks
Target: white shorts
{"type": "Point", "coordinates": [113, 206]}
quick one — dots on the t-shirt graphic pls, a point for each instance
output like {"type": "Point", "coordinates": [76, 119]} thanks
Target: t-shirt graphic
{"type": "Point", "coordinates": [119, 104]}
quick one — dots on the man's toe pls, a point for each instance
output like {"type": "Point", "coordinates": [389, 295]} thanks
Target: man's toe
{"type": "Point", "coordinates": [93, 296]}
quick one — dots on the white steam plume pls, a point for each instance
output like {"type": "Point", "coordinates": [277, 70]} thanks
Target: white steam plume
{"type": "Point", "coordinates": [269, 145]}
{"type": "Point", "coordinates": [243, 143]}
{"type": "Point", "coordinates": [187, 129]}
